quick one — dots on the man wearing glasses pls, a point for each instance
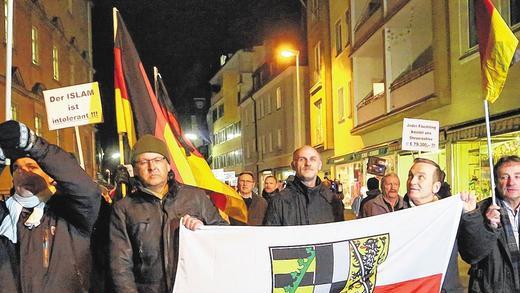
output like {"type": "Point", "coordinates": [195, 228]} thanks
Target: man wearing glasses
{"type": "Point", "coordinates": [144, 225]}
{"type": "Point", "coordinates": [256, 205]}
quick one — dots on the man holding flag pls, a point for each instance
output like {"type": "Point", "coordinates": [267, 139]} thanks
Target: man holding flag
{"type": "Point", "coordinates": [144, 238]}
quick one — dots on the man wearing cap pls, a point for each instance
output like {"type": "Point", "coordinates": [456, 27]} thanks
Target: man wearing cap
{"type": "Point", "coordinates": [46, 224]}
{"type": "Point", "coordinates": [144, 225]}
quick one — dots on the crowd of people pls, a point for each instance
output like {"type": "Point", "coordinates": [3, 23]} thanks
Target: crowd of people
{"type": "Point", "coordinates": [54, 238]}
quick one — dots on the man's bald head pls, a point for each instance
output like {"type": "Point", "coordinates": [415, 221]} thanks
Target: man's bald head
{"type": "Point", "coordinates": [307, 163]}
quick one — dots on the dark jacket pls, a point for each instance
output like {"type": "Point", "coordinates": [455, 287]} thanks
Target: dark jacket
{"type": "Point", "coordinates": [65, 227]}
{"type": "Point", "coordinates": [486, 250]}
{"type": "Point", "coordinates": [371, 194]}
{"type": "Point", "coordinates": [299, 205]}
{"type": "Point", "coordinates": [144, 236]}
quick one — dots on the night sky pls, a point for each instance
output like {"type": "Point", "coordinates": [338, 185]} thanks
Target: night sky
{"type": "Point", "coordinates": [184, 39]}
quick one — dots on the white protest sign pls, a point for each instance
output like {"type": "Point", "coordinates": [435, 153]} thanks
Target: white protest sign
{"type": "Point", "coordinates": [73, 106]}
{"type": "Point", "coordinates": [420, 135]}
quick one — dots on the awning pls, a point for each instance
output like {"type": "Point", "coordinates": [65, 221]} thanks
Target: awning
{"type": "Point", "coordinates": [382, 149]}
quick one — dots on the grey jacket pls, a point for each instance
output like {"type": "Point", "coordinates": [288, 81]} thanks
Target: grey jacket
{"type": "Point", "coordinates": [486, 250]}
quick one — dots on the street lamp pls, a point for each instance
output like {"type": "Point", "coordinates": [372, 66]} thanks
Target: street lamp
{"type": "Point", "coordinates": [295, 53]}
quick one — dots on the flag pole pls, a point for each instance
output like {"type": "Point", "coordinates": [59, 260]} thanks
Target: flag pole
{"type": "Point", "coordinates": [155, 80]}
{"type": "Point", "coordinates": [120, 135]}
{"type": "Point", "coordinates": [490, 151]}
{"type": "Point", "coordinates": [80, 149]}
{"type": "Point", "coordinates": [9, 60]}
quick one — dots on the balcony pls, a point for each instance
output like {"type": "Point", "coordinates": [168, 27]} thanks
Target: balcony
{"type": "Point", "coordinates": [370, 108]}
{"type": "Point", "coordinates": [412, 87]}
{"type": "Point", "coordinates": [369, 21]}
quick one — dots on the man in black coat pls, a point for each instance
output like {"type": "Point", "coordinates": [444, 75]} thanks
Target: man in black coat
{"type": "Point", "coordinates": [47, 222]}
{"type": "Point", "coordinates": [305, 200]}
{"type": "Point", "coordinates": [144, 226]}
{"type": "Point", "coordinates": [488, 235]}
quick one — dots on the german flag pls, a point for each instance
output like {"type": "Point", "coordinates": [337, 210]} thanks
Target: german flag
{"type": "Point", "coordinates": [157, 117]}
{"type": "Point", "coordinates": [497, 46]}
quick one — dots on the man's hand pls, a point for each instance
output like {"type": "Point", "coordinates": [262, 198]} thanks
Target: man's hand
{"type": "Point", "coordinates": [191, 223]}
{"type": "Point", "coordinates": [493, 216]}
{"type": "Point", "coordinates": [16, 135]}
{"type": "Point", "coordinates": [470, 201]}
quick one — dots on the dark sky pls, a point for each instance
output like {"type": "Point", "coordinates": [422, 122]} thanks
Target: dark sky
{"type": "Point", "coordinates": [179, 35]}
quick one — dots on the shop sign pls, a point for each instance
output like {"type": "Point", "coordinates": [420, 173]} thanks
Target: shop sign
{"type": "Point", "coordinates": [420, 135]}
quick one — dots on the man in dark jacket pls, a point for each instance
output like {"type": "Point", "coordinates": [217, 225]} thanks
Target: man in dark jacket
{"type": "Point", "coordinates": [270, 187]}
{"type": "Point", "coordinates": [47, 222]}
{"type": "Point", "coordinates": [305, 200]}
{"type": "Point", "coordinates": [488, 235]}
{"type": "Point", "coordinates": [256, 205]}
{"type": "Point", "coordinates": [144, 225]}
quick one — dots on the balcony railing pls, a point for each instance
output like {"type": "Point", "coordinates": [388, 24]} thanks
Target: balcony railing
{"type": "Point", "coordinates": [371, 107]}
{"type": "Point", "coordinates": [412, 86]}
{"type": "Point", "coordinates": [369, 22]}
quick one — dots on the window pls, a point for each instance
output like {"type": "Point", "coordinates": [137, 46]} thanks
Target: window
{"type": "Point", "coordinates": [69, 7]}
{"type": "Point", "coordinates": [38, 124]}
{"type": "Point", "coordinates": [339, 43]}
{"type": "Point", "coordinates": [262, 143]}
{"type": "Point", "coordinates": [278, 98]}
{"type": "Point", "coordinates": [221, 111]}
{"type": "Point", "coordinates": [279, 138]}
{"type": "Point", "coordinates": [261, 108]}
{"type": "Point", "coordinates": [14, 112]}
{"type": "Point", "coordinates": [34, 45]}
{"type": "Point", "coordinates": [214, 115]}
{"type": "Point", "coordinates": [72, 73]}
{"type": "Point", "coordinates": [268, 104]}
{"type": "Point", "coordinates": [319, 122]}
{"type": "Point", "coordinates": [315, 10]}
{"type": "Point", "coordinates": [270, 142]}
{"type": "Point", "coordinates": [317, 60]}
{"type": "Point", "coordinates": [514, 11]}
{"type": "Point", "coordinates": [347, 28]}
{"type": "Point", "coordinates": [55, 63]}
{"type": "Point", "coordinates": [248, 155]}
{"type": "Point", "coordinates": [341, 105]}
{"type": "Point", "coordinates": [473, 40]}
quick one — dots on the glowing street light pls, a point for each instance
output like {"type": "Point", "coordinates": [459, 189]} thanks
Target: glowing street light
{"type": "Point", "coordinates": [115, 156]}
{"type": "Point", "coordinates": [288, 53]}
{"type": "Point", "coordinates": [191, 136]}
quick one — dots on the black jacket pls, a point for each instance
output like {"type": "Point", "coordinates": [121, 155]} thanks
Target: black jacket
{"type": "Point", "coordinates": [299, 205]}
{"type": "Point", "coordinates": [486, 250]}
{"type": "Point", "coordinates": [67, 221]}
{"type": "Point", "coordinates": [144, 236]}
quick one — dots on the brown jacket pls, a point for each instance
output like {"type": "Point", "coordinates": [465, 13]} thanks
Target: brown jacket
{"type": "Point", "coordinates": [256, 210]}
{"type": "Point", "coordinates": [378, 206]}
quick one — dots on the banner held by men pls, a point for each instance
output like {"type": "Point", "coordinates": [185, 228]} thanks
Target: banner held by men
{"type": "Point", "coordinates": [375, 254]}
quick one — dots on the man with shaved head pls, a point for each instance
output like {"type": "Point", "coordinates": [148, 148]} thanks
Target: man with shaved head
{"type": "Point", "coordinates": [305, 200]}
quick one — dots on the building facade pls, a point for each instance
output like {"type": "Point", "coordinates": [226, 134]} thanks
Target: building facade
{"type": "Point", "coordinates": [409, 62]}
{"type": "Point", "coordinates": [52, 48]}
{"type": "Point", "coordinates": [231, 83]}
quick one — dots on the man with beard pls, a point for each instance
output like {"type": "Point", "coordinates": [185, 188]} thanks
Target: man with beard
{"type": "Point", "coordinates": [386, 202]}
{"type": "Point", "coordinates": [305, 200]}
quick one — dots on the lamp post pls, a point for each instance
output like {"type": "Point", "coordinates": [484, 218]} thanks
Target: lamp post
{"type": "Point", "coordinates": [296, 55]}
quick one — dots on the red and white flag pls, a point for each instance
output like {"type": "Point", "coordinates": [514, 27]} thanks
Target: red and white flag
{"type": "Point", "coordinates": [405, 251]}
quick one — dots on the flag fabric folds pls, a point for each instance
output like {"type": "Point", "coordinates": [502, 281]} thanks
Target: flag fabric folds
{"type": "Point", "coordinates": [404, 251]}
{"type": "Point", "coordinates": [497, 46]}
{"type": "Point", "coordinates": [153, 116]}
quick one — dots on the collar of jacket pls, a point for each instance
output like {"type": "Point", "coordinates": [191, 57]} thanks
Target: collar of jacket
{"type": "Point", "coordinates": [173, 186]}
{"type": "Point", "coordinates": [318, 188]}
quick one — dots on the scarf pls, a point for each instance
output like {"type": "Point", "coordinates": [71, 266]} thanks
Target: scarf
{"type": "Point", "coordinates": [15, 204]}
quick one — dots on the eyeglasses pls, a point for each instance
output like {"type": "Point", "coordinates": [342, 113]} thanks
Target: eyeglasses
{"type": "Point", "coordinates": [245, 181]}
{"type": "Point", "coordinates": [145, 162]}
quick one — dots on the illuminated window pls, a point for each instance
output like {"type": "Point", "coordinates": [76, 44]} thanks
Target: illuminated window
{"type": "Point", "coordinates": [34, 45]}
{"type": "Point", "coordinates": [317, 61]}
{"type": "Point", "coordinates": [341, 105]}
{"type": "Point", "coordinates": [38, 124]}
{"type": "Point", "coordinates": [55, 63]}
{"type": "Point", "coordinates": [278, 98]}
{"type": "Point", "coordinates": [14, 112]}
{"type": "Point", "coordinates": [339, 43]}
